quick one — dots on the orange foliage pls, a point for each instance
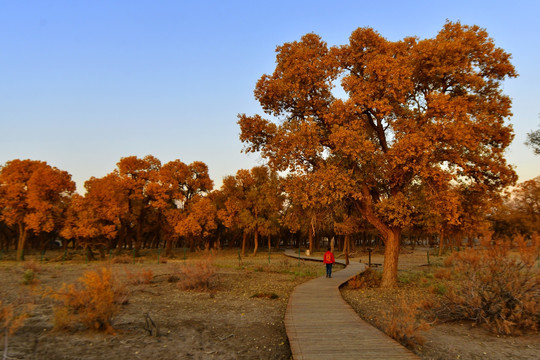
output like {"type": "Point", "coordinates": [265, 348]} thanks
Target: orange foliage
{"type": "Point", "coordinates": [145, 276]}
{"type": "Point", "coordinates": [253, 201]}
{"type": "Point", "coordinates": [495, 287]}
{"type": "Point", "coordinates": [92, 302]}
{"type": "Point", "coordinates": [520, 213]}
{"type": "Point", "coordinates": [419, 117]}
{"type": "Point", "coordinates": [33, 197]}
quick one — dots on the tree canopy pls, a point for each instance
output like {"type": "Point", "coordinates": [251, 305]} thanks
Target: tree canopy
{"type": "Point", "coordinates": [33, 197]}
{"type": "Point", "coordinates": [533, 140]}
{"type": "Point", "coordinates": [415, 118]}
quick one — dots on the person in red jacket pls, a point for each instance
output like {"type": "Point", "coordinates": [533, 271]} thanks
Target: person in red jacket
{"type": "Point", "coordinates": [329, 260]}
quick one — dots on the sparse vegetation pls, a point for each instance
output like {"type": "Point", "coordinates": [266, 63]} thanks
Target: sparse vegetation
{"type": "Point", "coordinates": [493, 287]}
{"type": "Point", "coordinates": [92, 302]}
{"type": "Point", "coordinates": [197, 276]}
{"type": "Point", "coordinates": [143, 276]}
{"type": "Point", "coordinates": [12, 317]}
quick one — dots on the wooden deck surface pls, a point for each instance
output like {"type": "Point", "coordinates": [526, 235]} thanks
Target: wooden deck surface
{"type": "Point", "coordinates": [321, 325]}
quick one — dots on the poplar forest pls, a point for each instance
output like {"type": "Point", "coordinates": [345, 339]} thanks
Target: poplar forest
{"type": "Point", "coordinates": [406, 171]}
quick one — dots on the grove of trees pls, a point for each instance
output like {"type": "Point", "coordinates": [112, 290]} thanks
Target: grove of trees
{"type": "Point", "coordinates": [413, 150]}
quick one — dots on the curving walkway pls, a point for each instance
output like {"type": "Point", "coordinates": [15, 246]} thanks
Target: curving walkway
{"type": "Point", "coordinates": [321, 325]}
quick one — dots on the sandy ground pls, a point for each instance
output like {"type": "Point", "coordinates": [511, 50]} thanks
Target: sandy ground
{"type": "Point", "coordinates": [225, 322]}
{"type": "Point", "coordinates": [443, 341]}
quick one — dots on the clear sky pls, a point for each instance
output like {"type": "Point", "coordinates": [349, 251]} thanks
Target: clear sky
{"type": "Point", "coordinates": [84, 83]}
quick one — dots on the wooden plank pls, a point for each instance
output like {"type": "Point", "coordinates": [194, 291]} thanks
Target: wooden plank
{"type": "Point", "coordinates": [321, 325]}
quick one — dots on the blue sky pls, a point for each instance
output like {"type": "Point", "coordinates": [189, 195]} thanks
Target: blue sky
{"type": "Point", "coordinates": [84, 83]}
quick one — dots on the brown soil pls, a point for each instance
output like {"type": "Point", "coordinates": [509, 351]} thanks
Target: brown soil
{"type": "Point", "coordinates": [460, 340]}
{"type": "Point", "coordinates": [237, 318]}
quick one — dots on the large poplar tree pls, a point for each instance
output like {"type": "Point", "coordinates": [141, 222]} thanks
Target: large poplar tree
{"type": "Point", "coordinates": [416, 115]}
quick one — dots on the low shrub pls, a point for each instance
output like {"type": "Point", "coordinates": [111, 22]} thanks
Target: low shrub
{"type": "Point", "coordinates": [12, 317]}
{"type": "Point", "coordinates": [92, 302]}
{"type": "Point", "coordinates": [31, 265]}
{"type": "Point", "coordinates": [29, 277]}
{"type": "Point", "coordinates": [402, 321]}
{"type": "Point", "coordinates": [443, 273]}
{"type": "Point", "coordinates": [495, 288]}
{"type": "Point", "coordinates": [197, 276]}
{"type": "Point", "coordinates": [145, 276]}
{"type": "Point", "coordinates": [367, 279]}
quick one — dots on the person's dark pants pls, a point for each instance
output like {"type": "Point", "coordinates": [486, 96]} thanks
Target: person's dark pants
{"type": "Point", "coordinates": [328, 270]}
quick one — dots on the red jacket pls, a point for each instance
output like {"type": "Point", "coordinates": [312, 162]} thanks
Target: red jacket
{"type": "Point", "coordinates": [328, 258]}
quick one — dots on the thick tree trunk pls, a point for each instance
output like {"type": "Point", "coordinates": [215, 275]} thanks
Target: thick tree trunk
{"type": "Point", "coordinates": [391, 256]}
{"type": "Point", "coordinates": [22, 241]}
{"type": "Point", "coordinates": [391, 237]}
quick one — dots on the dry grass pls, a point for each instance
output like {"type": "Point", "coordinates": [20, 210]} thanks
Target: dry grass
{"type": "Point", "coordinates": [197, 276]}
{"type": "Point", "coordinates": [494, 287]}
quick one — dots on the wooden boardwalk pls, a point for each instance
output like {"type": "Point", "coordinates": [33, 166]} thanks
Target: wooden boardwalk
{"type": "Point", "coordinates": [321, 325]}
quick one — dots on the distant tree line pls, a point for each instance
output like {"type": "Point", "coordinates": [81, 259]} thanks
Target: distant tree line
{"type": "Point", "coordinates": [144, 204]}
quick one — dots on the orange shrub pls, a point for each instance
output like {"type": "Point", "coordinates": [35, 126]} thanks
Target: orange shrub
{"type": "Point", "coordinates": [495, 288]}
{"type": "Point", "coordinates": [145, 276]}
{"type": "Point", "coordinates": [11, 318]}
{"type": "Point", "coordinates": [402, 322]}
{"type": "Point", "coordinates": [92, 302]}
{"type": "Point", "coordinates": [443, 273]}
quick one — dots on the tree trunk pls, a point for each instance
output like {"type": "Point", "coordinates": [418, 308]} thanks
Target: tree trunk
{"type": "Point", "coordinates": [441, 243]}
{"type": "Point", "coordinates": [168, 246]}
{"type": "Point", "coordinates": [346, 249]}
{"type": "Point", "coordinates": [311, 234]}
{"type": "Point", "coordinates": [244, 239]}
{"type": "Point", "coordinates": [391, 256]}
{"type": "Point", "coordinates": [391, 237]}
{"type": "Point", "coordinates": [310, 239]}
{"type": "Point", "coordinates": [256, 242]}
{"type": "Point", "coordinates": [22, 241]}
{"type": "Point", "coordinates": [138, 237]}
